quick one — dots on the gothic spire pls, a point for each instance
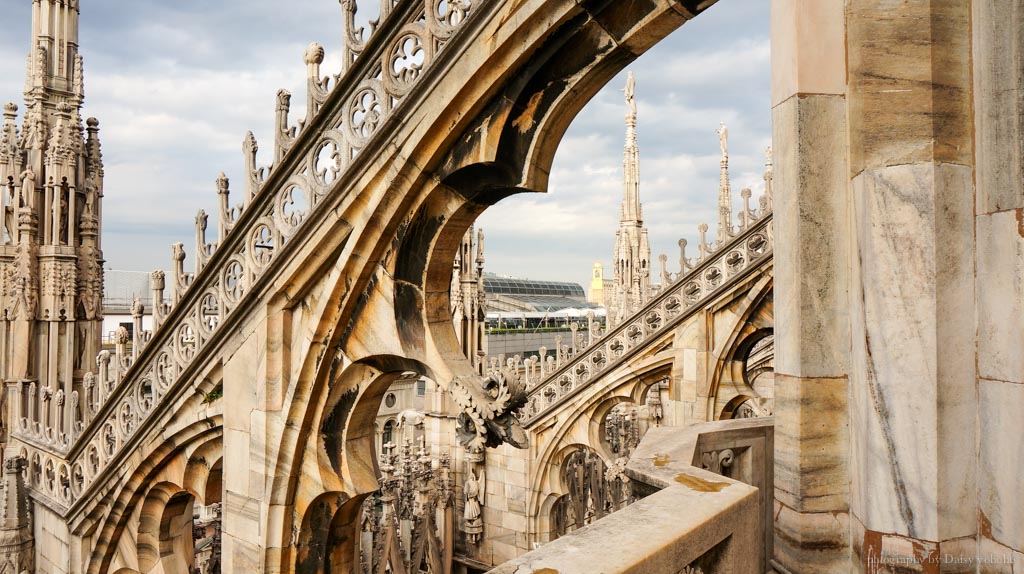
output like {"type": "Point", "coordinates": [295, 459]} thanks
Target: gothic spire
{"type": "Point", "coordinates": [631, 159]}
{"type": "Point", "coordinates": [55, 63]}
{"type": "Point", "coordinates": [632, 253]}
{"type": "Point", "coordinates": [724, 189]}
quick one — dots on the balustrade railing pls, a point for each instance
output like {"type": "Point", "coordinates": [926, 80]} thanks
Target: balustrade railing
{"type": "Point", "coordinates": [719, 269]}
{"type": "Point", "coordinates": [705, 507]}
{"type": "Point", "coordinates": [382, 62]}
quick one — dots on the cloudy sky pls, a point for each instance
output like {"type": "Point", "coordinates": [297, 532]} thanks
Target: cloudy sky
{"type": "Point", "coordinates": [176, 85]}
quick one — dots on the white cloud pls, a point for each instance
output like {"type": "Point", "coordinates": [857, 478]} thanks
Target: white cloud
{"type": "Point", "coordinates": [177, 85]}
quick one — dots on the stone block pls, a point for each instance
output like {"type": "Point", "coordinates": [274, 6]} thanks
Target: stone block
{"type": "Point", "coordinates": [912, 399]}
{"type": "Point", "coordinates": [1000, 289]}
{"type": "Point", "coordinates": [238, 555]}
{"type": "Point", "coordinates": [909, 83]}
{"type": "Point", "coordinates": [241, 516]}
{"type": "Point", "coordinates": [236, 460]}
{"type": "Point", "coordinates": [812, 543]}
{"type": "Point", "coordinates": [517, 463]}
{"type": "Point", "coordinates": [997, 29]}
{"type": "Point", "coordinates": [811, 444]}
{"type": "Point", "coordinates": [1001, 490]}
{"type": "Point", "coordinates": [811, 242]}
{"type": "Point", "coordinates": [514, 522]}
{"type": "Point", "coordinates": [808, 53]}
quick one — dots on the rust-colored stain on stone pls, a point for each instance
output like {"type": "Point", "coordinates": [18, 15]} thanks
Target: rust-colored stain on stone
{"type": "Point", "coordinates": [546, 571]}
{"type": "Point", "coordinates": [1020, 221]}
{"type": "Point", "coordinates": [984, 525]}
{"type": "Point", "coordinates": [871, 552]}
{"type": "Point", "coordinates": [525, 121]}
{"type": "Point", "coordinates": [700, 484]}
{"type": "Point", "coordinates": [661, 459]}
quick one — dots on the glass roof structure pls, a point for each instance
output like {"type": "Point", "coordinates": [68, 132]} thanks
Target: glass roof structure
{"type": "Point", "coordinates": [519, 287]}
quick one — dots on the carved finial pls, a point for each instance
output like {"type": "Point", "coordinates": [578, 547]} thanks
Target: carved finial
{"type": "Point", "coordinates": [157, 279]}
{"type": "Point", "coordinates": [703, 229]}
{"type": "Point", "coordinates": [480, 247]}
{"type": "Point", "coordinates": [222, 182]}
{"type": "Point", "coordinates": [284, 101]}
{"type": "Point", "coordinates": [10, 110]}
{"type": "Point", "coordinates": [121, 336]}
{"type": "Point", "coordinates": [314, 54]}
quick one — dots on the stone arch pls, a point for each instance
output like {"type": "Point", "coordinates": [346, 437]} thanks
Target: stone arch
{"type": "Point", "coordinates": [346, 457]}
{"type": "Point", "coordinates": [165, 529]}
{"type": "Point", "coordinates": [729, 410]}
{"type": "Point", "coordinates": [755, 315]}
{"type": "Point", "coordinates": [349, 414]}
{"type": "Point", "coordinates": [499, 138]}
{"type": "Point", "coordinates": [203, 471]}
{"type": "Point", "coordinates": [625, 386]}
{"type": "Point", "coordinates": [544, 520]}
{"type": "Point", "coordinates": [164, 467]}
{"type": "Point", "coordinates": [582, 474]}
{"type": "Point", "coordinates": [313, 546]}
{"type": "Point", "coordinates": [598, 421]}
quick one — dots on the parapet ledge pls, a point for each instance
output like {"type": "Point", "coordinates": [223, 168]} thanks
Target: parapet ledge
{"type": "Point", "coordinates": [697, 519]}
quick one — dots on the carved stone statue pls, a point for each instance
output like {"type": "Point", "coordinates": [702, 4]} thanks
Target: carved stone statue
{"type": "Point", "coordinates": [723, 139]}
{"type": "Point", "coordinates": [137, 307]}
{"type": "Point", "coordinates": [28, 188]}
{"type": "Point", "coordinates": [474, 526]}
{"type": "Point", "coordinates": [630, 93]}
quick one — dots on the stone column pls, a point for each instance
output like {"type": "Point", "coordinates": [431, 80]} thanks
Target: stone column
{"type": "Point", "coordinates": [913, 398]}
{"type": "Point", "coordinates": [998, 52]}
{"type": "Point", "coordinates": [812, 254]}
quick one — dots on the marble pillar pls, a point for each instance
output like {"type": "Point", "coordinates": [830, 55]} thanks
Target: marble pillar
{"type": "Point", "coordinates": [811, 287]}
{"type": "Point", "coordinates": [998, 54]}
{"type": "Point", "coordinates": [913, 397]}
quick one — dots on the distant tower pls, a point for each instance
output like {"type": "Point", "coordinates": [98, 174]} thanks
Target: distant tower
{"type": "Point", "coordinates": [597, 293]}
{"type": "Point", "coordinates": [51, 278]}
{"type": "Point", "coordinates": [632, 257]}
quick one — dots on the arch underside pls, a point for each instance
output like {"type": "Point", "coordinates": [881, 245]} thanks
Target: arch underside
{"type": "Point", "coordinates": [482, 124]}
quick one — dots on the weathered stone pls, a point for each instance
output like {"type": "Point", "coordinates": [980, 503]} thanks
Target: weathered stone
{"type": "Point", "coordinates": [909, 91]}
{"type": "Point", "coordinates": [812, 323]}
{"type": "Point", "coordinates": [998, 57]}
{"type": "Point", "coordinates": [1000, 238]}
{"type": "Point", "coordinates": [812, 438]}
{"type": "Point", "coordinates": [913, 399]}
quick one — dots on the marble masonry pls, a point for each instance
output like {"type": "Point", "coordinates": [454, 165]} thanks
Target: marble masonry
{"type": "Point", "coordinates": [831, 384]}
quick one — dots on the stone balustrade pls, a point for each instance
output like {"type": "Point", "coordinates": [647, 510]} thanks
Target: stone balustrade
{"type": "Point", "coordinates": [709, 503]}
{"type": "Point", "coordinates": [742, 253]}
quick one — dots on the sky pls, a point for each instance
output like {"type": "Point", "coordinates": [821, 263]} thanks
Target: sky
{"type": "Point", "coordinates": [176, 85]}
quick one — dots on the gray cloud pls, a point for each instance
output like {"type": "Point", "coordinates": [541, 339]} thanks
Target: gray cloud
{"type": "Point", "coordinates": [177, 84]}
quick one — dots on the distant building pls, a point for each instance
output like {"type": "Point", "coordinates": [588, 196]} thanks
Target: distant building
{"type": "Point", "coordinates": [120, 289]}
{"type": "Point", "coordinates": [599, 286]}
{"type": "Point", "coordinates": [510, 294]}
{"type": "Point", "coordinates": [525, 315]}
